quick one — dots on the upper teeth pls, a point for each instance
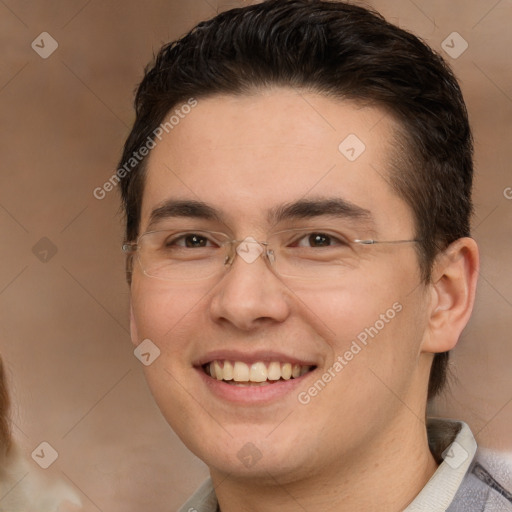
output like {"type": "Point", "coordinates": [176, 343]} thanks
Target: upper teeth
{"type": "Point", "coordinates": [256, 372]}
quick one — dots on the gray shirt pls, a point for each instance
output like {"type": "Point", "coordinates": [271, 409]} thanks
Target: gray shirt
{"type": "Point", "coordinates": [461, 483]}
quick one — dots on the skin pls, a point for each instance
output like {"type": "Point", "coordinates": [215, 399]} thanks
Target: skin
{"type": "Point", "coordinates": [361, 443]}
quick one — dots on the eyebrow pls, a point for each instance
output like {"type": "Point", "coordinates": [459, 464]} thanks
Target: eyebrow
{"type": "Point", "coordinates": [301, 209]}
{"type": "Point", "coordinates": [309, 208]}
{"type": "Point", "coordinates": [183, 208]}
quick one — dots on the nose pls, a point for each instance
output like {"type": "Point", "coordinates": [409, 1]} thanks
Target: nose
{"type": "Point", "coordinates": [250, 294]}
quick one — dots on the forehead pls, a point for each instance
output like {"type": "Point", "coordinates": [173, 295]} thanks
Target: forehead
{"type": "Point", "coordinates": [247, 154]}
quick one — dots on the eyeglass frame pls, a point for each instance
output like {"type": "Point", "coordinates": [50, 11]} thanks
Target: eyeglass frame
{"type": "Point", "coordinates": [130, 248]}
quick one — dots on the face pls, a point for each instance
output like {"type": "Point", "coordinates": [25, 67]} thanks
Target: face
{"type": "Point", "coordinates": [355, 338]}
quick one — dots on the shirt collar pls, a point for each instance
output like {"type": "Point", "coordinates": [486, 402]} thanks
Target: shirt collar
{"type": "Point", "coordinates": [453, 443]}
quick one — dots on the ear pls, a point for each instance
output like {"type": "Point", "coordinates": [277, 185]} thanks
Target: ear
{"type": "Point", "coordinates": [133, 327]}
{"type": "Point", "coordinates": [453, 289]}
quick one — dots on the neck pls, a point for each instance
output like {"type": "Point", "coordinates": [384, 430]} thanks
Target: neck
{"type": "Point", "coordinates": [358, 481]}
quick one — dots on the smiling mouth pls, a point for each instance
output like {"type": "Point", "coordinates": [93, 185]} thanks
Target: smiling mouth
{"type": "Point", "coordinates": [260, 373]}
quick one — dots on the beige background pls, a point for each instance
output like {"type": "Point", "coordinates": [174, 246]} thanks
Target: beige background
{"type": "Point", "coordinates": [64, 322]}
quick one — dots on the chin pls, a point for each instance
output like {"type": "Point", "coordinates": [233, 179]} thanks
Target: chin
{"type": "Point", "coordinates": [256, 455]}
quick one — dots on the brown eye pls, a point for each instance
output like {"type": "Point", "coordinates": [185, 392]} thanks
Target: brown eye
{"type": "Point", "coordinates": [319, 240]}
{"type": "Point", "coordinates": [193, 241]}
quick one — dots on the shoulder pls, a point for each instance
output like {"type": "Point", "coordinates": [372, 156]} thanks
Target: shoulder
{"type": "Point", "coordinates": [487, 485]}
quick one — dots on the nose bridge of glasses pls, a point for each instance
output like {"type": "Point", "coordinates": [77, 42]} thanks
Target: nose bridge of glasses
{"type": "Point", "coordinates": [249, 249]}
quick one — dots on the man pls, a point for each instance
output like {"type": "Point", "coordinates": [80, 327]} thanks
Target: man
{"type": "Point", "coordinates": [297, 189]}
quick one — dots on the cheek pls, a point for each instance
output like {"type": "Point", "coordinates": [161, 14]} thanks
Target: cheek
{"type": "Point", "coordinates": [374, 357]}
{"type": "Point", "coordinates": [378, 321]}
{"type": "Point", "coordinates": [351, 310]}
{"type": "Point", "coordinates": [161, 311]}
{"type": "Point", "coordinates": [167, 315]}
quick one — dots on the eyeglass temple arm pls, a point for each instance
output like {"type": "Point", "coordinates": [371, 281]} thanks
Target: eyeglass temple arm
{"type": "Point", "coordinates": [371, 242]}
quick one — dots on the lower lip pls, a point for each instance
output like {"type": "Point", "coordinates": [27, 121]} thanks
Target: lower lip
{"type": "Point", "coordinates": [252, 394]}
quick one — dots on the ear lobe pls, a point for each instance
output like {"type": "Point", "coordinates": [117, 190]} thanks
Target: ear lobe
{"type": "Point", "coordinates": [133, 327]}
{"type": "Point", "coordinates": [453, 289]}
